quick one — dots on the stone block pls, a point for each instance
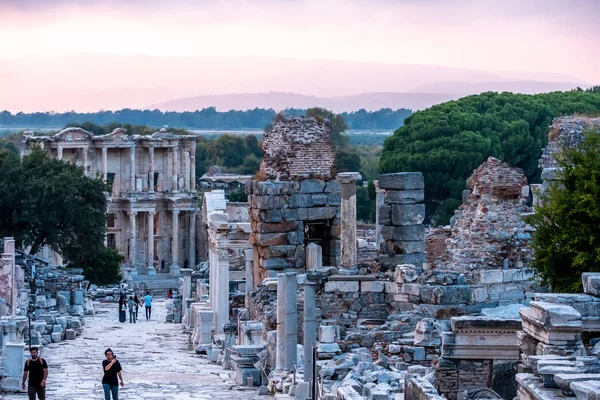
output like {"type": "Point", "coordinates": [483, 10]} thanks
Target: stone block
{"type": "Point", "coordinates": [416, 259]}
{"type": "Point", "coordinates": [394, 247]}
{"type": "Point", "coordinates": [334, 199]}
{"type": "Point", "coordinates": [282, 251]}
{"type": "Point", "coordinates": [373, 286]}
{"type": "Point", "coordinates": [522, 274]}
{"type": "Point", "coordinates": [312, 186]}
{"type": "Point", "coordinates": [391, 287]}
{"type": "Point", "coordinates": [276, 227]}
{"type": "Point", "coordinates": [408, 214]}
{"type": "Point", "coordinates": [403, 196]}
{"type": "Point", "coordinates": [428, 333]}
{"type": "Point", "coordinates": [269, 239]}
{"type": "Point", "coordinates": [302, 214]}
{"type": "Point", "coordinates": [403, 233]}
{"type": "Point", "coordinates": [564, 381]}
{"type": "Point", "coordinates": [296, 237]}
{"type": "Point", "coordinates": [480, 295]}
{"type": "Point", "coordinates": [402, 181]}
{"type": "Point", "coordinates": [552, 324]}
{"type": "Point", "coordinates": [319, 199]}
{"type": "Point", "coordinates": [56, 337]}
{"type": "Point", "coordinates": [269, 202]}
{"type": "Point", "coordinates": [413, 289]}
{"type": "Point", "coordinates": [70, 334]}
{"type": "Point", "coordinates": [446, 295]}
{"type": "Point", "coordinates": [274, 264]}
{"type": "Point", "coordinates": [491, 276]}
{"type": "Point", "coordinates": [328, 350]}
{"type": "Point", "coordinates": [342, 286]}
{"type": "Point", "coordinates": [333, 186]}
{"type": "Point", "coordinates": [591, 283]}
{"type": "Point", "coordinates": [320, 213]}
{"type": "Point", "coordinates": [300, 201]}
{"type": "Point", "coordinates": [385, 216]}
{"type": "Point", "coordinates": [329, 333]}
{"type": "Point", "coordinates": [275, 215]}
{"type": "Point", "coordinates": [289, 214]}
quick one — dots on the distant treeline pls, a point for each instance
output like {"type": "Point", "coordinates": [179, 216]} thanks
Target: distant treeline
{"type": "Point", "coordinates": [208, 118]}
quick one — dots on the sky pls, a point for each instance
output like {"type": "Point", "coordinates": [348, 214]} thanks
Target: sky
{"type": "Point", "coordinates": [553, 39]}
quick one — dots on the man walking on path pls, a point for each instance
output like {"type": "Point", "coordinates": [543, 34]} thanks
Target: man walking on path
{"type": "Point", "coordinates": [132, 316]}
{"type": "Point", "coordinates": [148, 300]}
{"type": "Point", "coordinates": [37, 369]}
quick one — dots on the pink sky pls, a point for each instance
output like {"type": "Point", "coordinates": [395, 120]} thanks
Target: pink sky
{"type": "Point", "coordinates": [539, 36]}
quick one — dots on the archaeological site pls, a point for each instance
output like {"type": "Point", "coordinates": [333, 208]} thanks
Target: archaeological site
{"type": "Point", "coordinates": [296, 299]}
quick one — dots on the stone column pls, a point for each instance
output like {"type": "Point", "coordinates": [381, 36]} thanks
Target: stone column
{"type": "Point", "coordinates": [85, 160]}
{"type": "Point", "coordinates": [212, 277]}
{"type": "Point", "coordinates": [151, 170]}
{"type": "Point", "coordinates": [281, 346]}
{"type": "Point", "coordinates": [348, 225]}
{"type": "Point", "coordinates": [9, 253]}
{"type": "Point", "coordinates": [175, 239]}
{"type": "Point", "coordinates": [206, 320]}
{"type": "Point", "coordinates": [192, 246]}
{"type": "Point", "coordinates": [132, 247]}
{"type": "Point", "coordinates": [59, 152]}
{"type": "Point", "coordinates": [314, 256]}
{"type": "Point", "coordinates": [230, 330]}
{"type": "Point", "coordinates": [291, 320]}
{"type": "Point", "coordinates": [175, 169]}
{"type": "Point", "coordinates": [249, 253]}
{"type": "Point", "coordinates": [132, 169]}
{"type": "Point", "coordinates": [222, 297]}
{"type": "Point", "coordinates": [105, 163]}
{"type": "Point", "coordinates": [379, 202]}
{"type": "Point", "coordinates": [186, 288]}
{"type": "Point", "coordinates": [188, 171]}
{"type": "Point", "coordinates": [150, 244]}
{"type": "Point", "coordinates": [193, 172]}
{"type": "Point", "coordinates": [310, 329]}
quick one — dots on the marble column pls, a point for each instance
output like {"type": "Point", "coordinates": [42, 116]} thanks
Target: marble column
{"type": "Point", "coordinates": [348, 222]}
{"type": "Point", "coordinates": [291, 320]}
{"type": "Point", "coordinates": [249, 253]}
{"type": "Point", "coordinates": [310, 329]}
{"type": "Point", "coordinates": [175, 169]}
{"type": "Point", "coordinates": [59, 152]}
{"type": "Point", "coordinates": [150, 244]}
{"type": "Point", "coordinates": [222, 297]}
{"type": "Point", "coordinates": [9, 253]}
{"type": "Point", "coordinates": [188, 171]}
{"type": "Point", "coordinates": [186, 288]}
{"type": "Point", "coordinates": [132, 243]}
{"type": "Point", "coordinates": [314, 256]}
{"type": "Point", "coordinates": [85, 160]}
{"type": "Point", "coordinates": [379, 202]}
{"type": "Point", "coordinates": [175, 238]}
{"type": "Point", "coordinates": [105, 163]}
{"type": "Point", "coordinates": [212, 277]}
{"type": "Point", "coordinates": [132, 169]}
{"type": "Point", "coordinates": [281, 346]}
{"type": "Point", "coordinates": [193, 172]}
{"type": "Point", "coordinates": [151, 170]}
{"type": "Point", "coordinates": [192, 245]}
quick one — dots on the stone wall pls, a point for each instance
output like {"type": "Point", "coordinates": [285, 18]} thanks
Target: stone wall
{"type": "Point", "coordinates": [435, 242]}
{"type": "Point", "coordinates": [454, 377]}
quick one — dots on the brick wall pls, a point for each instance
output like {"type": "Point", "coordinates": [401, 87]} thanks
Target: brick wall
{"type": "Point", "coordinates": [453, 377]}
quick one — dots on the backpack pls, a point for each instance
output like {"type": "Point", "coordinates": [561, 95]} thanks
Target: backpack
{"type": "Point", "coordinates": [39, 358]}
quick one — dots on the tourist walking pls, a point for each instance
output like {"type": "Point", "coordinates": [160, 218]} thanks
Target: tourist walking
{"type": "Point", "coordinates": [148, 301]}
{"type": "Point", "coordinates": [138, 303]}
{"type": "Point", "coordinates": [131, 310]}
{"type": "Point", "coordinates": [122, 309]}
{"type": "Point", "coordinates": [37, 369]}
{"type": "Point", "coordinates": [112, 370]}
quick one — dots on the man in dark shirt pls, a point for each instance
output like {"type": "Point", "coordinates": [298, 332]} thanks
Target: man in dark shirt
{"type": "Point", "coordinates": [37, 369]}
{"type": "Point", "coordinates": [112, 369]}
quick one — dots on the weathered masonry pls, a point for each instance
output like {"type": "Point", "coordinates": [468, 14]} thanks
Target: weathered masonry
{"type": "Point", "coordinates": [153, 204]}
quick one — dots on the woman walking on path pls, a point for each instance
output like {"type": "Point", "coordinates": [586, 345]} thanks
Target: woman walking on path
{"type": "Point", "coordinates": [131, 310]}
{"type": "Point", "coordinates": [122, 309]}
{"type": "Point", "coordinates": [112, 370]}
{"type": "Point", "coordinates": [137, 302]}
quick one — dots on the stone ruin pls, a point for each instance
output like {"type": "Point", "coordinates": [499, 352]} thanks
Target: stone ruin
{"type": "Point", "coordinates": [56, 304]}
{"type": "Point", "coordinates": [454, 312]}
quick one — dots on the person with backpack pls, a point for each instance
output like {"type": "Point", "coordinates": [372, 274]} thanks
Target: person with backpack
{"type": "Point", "coordinates": [37, 369]}
{"type": "Point", "coordinates": [131, 310]}
{"type": "Point", "coordinates": [112, 369]}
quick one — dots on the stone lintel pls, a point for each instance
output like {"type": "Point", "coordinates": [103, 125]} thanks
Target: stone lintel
{"type": "Point", "coordinates": [360, 278]}
{"type": "Point", "coordinates": [485, 324]}
{"type": "Point", "coordinates": [475, 346]}
{"type": "Point", "coordinates": [348, 177]}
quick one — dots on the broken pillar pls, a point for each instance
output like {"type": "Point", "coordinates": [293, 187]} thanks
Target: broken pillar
{"type": "Point", "coordinates": [249, 253]}
{"type": "Point", "coordinates": [348, 226]}
{"type": "Point", "coordinates": [291, 320]}
{"type": "Point", "coordinates": [280, 353]}
{"type": "Point", "coordinates": [379, 202]}
{"type": "Point", "coordinates": [230, 330]}
{"type": "Point", "coordinates": [314, 256]}
{"type": "Point", "coordinates": [310, 329]}
{"type": "Point", "coordinates": [222, 296]}
{"type": "Point", "coordinates": [186, 289]}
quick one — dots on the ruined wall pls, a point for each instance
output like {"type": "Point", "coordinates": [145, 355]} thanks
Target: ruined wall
{"type": "Point", "coordinates": [454, 377]}
{"type": "Point", "coordinates": [299, 203]}
{"type": "Point", "coordinates": [435, 242]}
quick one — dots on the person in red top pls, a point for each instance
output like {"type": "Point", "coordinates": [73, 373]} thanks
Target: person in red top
{"type": "Point", "coordinates": [112, 370]}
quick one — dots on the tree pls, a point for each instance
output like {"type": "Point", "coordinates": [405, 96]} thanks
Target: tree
{"type": "Point", "coordinates": [44, 201]}
{"type": "Point", "coordinates": [347, 161]}
{"type": "Point", "coordinates": [448, 141]}
{"type": "Point", "coordinates": [339, 125]}
{"type": "Point", "coordinates": [567, 237]}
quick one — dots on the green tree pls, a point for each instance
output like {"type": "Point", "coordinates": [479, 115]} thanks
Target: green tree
{"type": "Point", "coordinates": [448, 141]}
{"type": "Point", "coordinates": [347, 160]}
{"type": "Point", "coordinates": [339, 125]}
{"type": "Point", "coordinates": [44, 201]}
{"type": "Point", "coordinates": [567, 237]}
{"type": "Point", "coordinates": [363, 204]}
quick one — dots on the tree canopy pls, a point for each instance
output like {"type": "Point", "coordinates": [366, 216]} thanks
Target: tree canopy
{"type": "Point", "coordinates": [448, 141]}
{"type": "Point", "coordinates": [567, 237]}
{"type": "Point", "coordinates": [44, 201]}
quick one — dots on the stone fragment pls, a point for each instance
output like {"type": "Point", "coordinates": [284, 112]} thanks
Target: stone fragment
{"type": "Point", "coordinates": [408, 214]}
{"type": "Point", "coordinates": [428, 333]}
{"type": "Point", "coordinates": [552, 324]}
{"type": "Point", "coordinates": [591, 283]}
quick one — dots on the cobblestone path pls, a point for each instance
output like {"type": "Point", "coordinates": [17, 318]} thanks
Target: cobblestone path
{"type": "Point", "coordinates": [156, 364]}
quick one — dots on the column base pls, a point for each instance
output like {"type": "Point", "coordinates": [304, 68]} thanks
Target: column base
{"type": "Point", "coordinates": [175, 269]}
{"type": "Point", "coordinates": [151, 271]}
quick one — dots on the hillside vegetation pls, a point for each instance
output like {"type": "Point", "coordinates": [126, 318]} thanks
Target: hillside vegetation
{"type": "Point", "coordinates": [448, 141]}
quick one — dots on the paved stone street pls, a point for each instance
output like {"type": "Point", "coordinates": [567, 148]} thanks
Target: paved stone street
{"type": "Point", "coordinates": [156, 364]}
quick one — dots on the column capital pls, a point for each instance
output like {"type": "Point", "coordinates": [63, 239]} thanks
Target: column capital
{"type": "Point", "coordinates": [132, 213]}
{"type": "Point", "coordinates": [151, 213]}
{"type": "Point", "coordinates": [176, 212]}
{"type": "Point", "coordinates": [348, 177]}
